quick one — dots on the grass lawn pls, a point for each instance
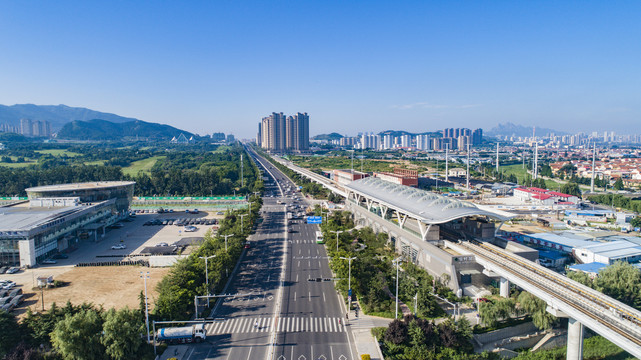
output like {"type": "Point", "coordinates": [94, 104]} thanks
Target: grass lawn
{"type": "Point", "coordinates": [143, 165]}
{"type": "Point", "coordinates": [58, 152]}
{"type": "Point", "coordinates": [18, 165]}
{"type": "Point", "coordinates": [222, 149]}
{"type": "Point", "coordinates": [97, 162]}
{"type": "Point", "coordinates": [520, 173]}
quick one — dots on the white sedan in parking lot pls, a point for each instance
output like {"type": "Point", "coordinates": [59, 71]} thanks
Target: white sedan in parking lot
{"type": "Point", "coordinates": [190, 228]}
{"type": "Point", "coordinates": [119, 247]}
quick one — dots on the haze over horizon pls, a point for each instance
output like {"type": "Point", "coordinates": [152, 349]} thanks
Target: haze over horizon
{"type": "Point", "coordinates": [360, 66]}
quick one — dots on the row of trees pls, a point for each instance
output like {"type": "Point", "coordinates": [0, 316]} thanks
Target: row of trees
{"type": "Point", "coordinates": [420, 339]}
{"type": "Point", "coordinates": [617, 200]}
{"type": "Point", "coordinates": [75, 332]}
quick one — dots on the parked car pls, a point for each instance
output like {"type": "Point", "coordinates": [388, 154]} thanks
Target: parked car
{"type": "Point", "coordinates": [13, 270]}
{"type": "Point", "coordinates": [162, 244]}
{"type": "Point", "coordinates": [3, 269]}
{"type": "Point", "coordinates": [49, 261]}
{"type": "Point", "coordinates": [119, 247]}
{"type": "Point", "coordinates": [60, 256]}
{"type": "Point", "coordinates": [190, 229]}
{"type": "Point", "coordinates": [247, 245]}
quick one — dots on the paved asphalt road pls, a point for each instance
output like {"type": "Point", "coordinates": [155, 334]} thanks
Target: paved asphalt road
{"type": "Point", "coordinates": [308, 323]}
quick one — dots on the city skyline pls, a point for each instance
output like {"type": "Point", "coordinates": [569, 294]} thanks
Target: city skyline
{"type": "Point", "coordinates": [411, 64]}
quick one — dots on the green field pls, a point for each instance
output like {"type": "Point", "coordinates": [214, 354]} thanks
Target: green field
{"type": "Point", "coordinates": [17, 165]}
{"type": "Point", "coordinates": [222, 149]}
{"type": "Point", "coordinates": [143, 165]}
{"type": "Point", "coordinates": [58, 152]}
{"type": "Point", "coordinates": [96, 162]}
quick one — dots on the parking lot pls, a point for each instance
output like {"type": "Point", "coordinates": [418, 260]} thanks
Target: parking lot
{"type": "Point", "coordinates": [111, 286]}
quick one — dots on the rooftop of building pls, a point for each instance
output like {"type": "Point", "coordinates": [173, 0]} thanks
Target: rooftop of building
{"type": "Point", "coordinates": [423, 205]}
{"type": "Point", "coordinates": [592, 268]}
{"type": "Point", "coordinates": [615, 249]}
{"type": "Point", "coordinates": [81, 186]}
{"type": "Point", "coordinates": [23, 218]}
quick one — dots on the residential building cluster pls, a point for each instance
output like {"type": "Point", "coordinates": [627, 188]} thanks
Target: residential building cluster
{"type": "Point", "coordinates": [28, 127]}
{"type": "Point", "coordinates": [281, 133]}
{"type": "Point", "coordinates": [575, 140]}
{"type": "Point", "coordinates": [627, 169]}
{"type": "Point", "coordinates": [451, 138]}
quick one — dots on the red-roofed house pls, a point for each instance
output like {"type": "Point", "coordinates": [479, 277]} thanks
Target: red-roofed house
{"type": "Point", "coordinates": [543, 196]}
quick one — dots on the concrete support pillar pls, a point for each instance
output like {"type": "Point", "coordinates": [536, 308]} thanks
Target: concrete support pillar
{"type": "Point", "coordinates": [575, 340]}
{"type": "Point", "coordinates": [505, 288]}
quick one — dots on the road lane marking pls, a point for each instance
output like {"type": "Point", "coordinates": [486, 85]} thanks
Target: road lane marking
{"type": "Point", "coordinates": [294, 295]}
{"type": "Point", "coordinates": [250, 352]}
{"type": "Point", "coordinates": [309, 296]}
{"type": "Point", "coordinates": [324, 300]}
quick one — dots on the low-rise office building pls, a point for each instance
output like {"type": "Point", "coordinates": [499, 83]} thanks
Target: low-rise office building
{"type": "Point", "coordinates": [58, 217]}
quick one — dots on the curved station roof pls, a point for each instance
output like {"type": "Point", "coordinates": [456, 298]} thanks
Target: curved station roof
{"type": "Point", "coordinates": [427, 207]}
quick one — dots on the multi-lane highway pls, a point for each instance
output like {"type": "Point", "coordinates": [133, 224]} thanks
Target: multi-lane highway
{"type": "Point", "coordinates": [279, 314]}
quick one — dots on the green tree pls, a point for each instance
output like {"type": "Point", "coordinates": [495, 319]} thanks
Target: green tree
{"type": "Point", "coordinates": [571, 188]}
{"type": "Point", "coordinates": [622, 281]}
{"type": "Point", "coordinates": [636, 222]}
{"type": "Point", "coordinates": [122, 330]}
{"type": "Point", "coordinates": [77, 337]}
{"type": "Point", "coordinates": [10, 333]}
{"type": "Point", "coordinates": [537, 309]}
{"type": "Point", "coordinates": [618, 185]}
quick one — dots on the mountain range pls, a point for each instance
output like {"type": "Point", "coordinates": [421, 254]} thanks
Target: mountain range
{"type": "Point", "coordinates": [510, 129]}
{"type": "Point", "coordinates": [98, 129]}
{"type": "Point", "coordinates": [56, 115]}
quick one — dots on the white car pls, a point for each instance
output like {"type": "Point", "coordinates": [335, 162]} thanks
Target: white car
{"type": "Point", "coordinates": [119, 247]}
{"type": "Point", "coordinates": [13, 270]}
{"type": "Point", "coordinates": [190, 229]}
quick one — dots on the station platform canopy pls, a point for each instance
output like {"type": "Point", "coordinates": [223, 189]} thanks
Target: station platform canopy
{"type": "Point", "coordinates": [425, 206]}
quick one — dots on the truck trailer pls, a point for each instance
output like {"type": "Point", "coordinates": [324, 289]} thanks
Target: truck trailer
{"type": "Point", "coordinates": [185, 334]}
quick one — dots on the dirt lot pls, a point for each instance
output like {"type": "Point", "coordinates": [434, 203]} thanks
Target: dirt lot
{"type": "Point", "coordinates": [109, 286]}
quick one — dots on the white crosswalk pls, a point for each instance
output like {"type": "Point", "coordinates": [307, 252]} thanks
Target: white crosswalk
{"type": "Point", "coordinates": [285, 324]}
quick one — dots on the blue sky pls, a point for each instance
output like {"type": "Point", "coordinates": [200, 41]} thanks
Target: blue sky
{"type": "Point", "coordinates": [352, 65]}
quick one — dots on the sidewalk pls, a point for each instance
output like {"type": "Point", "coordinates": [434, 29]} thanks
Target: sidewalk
{"type": "Point", "coordinates": [363, 338]}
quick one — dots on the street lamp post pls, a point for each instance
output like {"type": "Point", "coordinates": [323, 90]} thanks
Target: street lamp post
{"type": "Point", "coordinates": [349, 281]}
{"type": "Point", "coordinates": [242, 216]}
{"type": "Point", "coordinates": [226, 236]}
{"type": "Point", "coordinates": [337, 232]}
{"type": "Point", "coordinates": [397, 262]}
{"type": "Point", "coordinates": [145, 276]}
{"type": "Point", "coordinates": [207, 273]}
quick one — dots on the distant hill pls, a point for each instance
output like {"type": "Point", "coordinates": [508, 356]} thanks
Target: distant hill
{"type": "Point", "coordinates": [57, 115]}
{"type": "Point", "coordinates": [98, 129]}
{"type": "Point", "coordinates": [401, 133]}
{"type": "Point", "coordinates": [332, 136]}
{"type": "Point", "coordinates": [509, 129]}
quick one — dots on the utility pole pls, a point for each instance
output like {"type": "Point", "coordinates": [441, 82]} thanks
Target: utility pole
{"type": "Point", "coordinates": [242, 216]}
{"type": "Point", "coordinates": [145, 276]}
{"type": "Point", "coordinates": [497, 159]}
{"type": "Point", "coordinates": [467, 180]}
{"type": "Point", "coordinates": [593, 170]}
{"type": "Point", "coordinates": [242, 180]}
{"type": "Point", "coordinates": [447, 148]}
{"type": "Point", "coordinates": [349, 282]}
{"type": "Point", "coordinates": [206, 275]}
{"type": "Point", "coordinates": [536, 160]}
{"type": "Point", "coordinates": [226, 236]}
{"type": "Point", "coordinates": [416, 304]}
{"type": "Point", "coordinates": [337, 232]}
{"type": "Point", "coordinates": [397, 262]}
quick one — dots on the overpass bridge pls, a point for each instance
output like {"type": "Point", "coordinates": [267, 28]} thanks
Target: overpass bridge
{"type": "Point", "coordinates": [617, 322]}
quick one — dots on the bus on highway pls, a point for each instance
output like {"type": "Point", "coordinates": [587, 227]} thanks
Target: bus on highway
{"type": "Point", "coordinates": [319, 238]}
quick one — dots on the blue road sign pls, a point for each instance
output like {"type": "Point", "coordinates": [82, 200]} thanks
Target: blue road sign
{"type": "Point", "coordinates": [349, 292]}
{"type": "Point", "coordinates": [314, 220]}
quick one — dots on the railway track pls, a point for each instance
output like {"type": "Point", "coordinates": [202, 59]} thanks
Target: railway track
{"type": "Point", "coordinates": [620, 318]}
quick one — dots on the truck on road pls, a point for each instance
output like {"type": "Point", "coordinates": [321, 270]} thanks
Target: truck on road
{"type": "Point", "coordinates": [185, 334]}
